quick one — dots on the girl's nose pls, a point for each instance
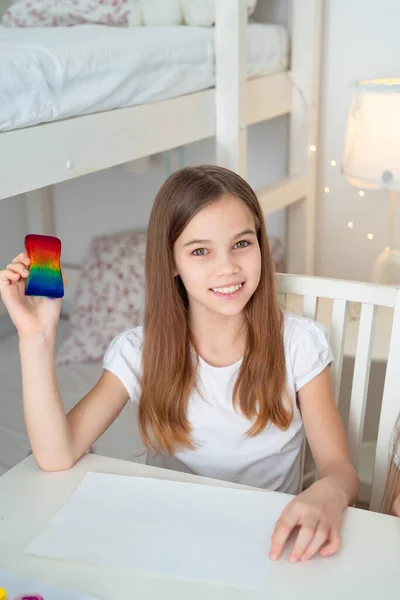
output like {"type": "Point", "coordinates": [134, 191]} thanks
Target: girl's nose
{"type": "Point", "coordinates": [227, 267]}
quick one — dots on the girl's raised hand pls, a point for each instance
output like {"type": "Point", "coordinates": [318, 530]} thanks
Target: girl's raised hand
{"type": "Point", "coordinates": [30, 314]}
{"type": "Point", "coordinates": [318, 512]}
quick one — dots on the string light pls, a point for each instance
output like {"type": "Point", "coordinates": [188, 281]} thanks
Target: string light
{"type": "Point", "coordinates": [350, 224]}
{"type": "Point", "coordinates": [333, 163]}
{"type": "Point", "coordinates": [361, 193]}
{"type": "Point", "coordinates": [387, 249]}
{"type": "Point", "coordinates": [370, 236]}
{"type": "Point", "coordinates": [313, 148]}
{"type": "Point", "coordinates": [326, 190]}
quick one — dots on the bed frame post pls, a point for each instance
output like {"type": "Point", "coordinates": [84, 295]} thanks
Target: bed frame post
{"type": "Point", "coordinates": [306, 26]}
{"type": "Point", "coordinates": [231, 84]}
{"type": "Point", "coordinates": [39, 211]}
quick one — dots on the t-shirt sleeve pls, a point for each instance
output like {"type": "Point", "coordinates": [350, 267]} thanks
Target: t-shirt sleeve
{"type": "Point", "coordinates": [311, 353]}
{"type": "Point", "coordinates": [123, 358]}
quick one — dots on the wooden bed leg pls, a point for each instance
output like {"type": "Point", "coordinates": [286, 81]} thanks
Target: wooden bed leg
{"type": "Point", "coordinates": [40, 211]}
{"type": "Point", "coordinates": [231, 84]}
{"type": "Point", "coordinates": [306, 21]}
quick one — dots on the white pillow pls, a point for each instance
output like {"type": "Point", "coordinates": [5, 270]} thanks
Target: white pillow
{"type": "Point", "coordinates": [161, 12]}
{"type": "Point", "coordinates": [203, 13]}
{"type": "Point", "coordinates": [199, 13]}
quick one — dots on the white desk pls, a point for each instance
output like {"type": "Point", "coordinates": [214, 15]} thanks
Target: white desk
{"type": "Point", "coordinates": [367, 567]}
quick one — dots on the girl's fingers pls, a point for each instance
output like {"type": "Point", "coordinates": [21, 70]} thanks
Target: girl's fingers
{"type": "Point", "coordinates": [8, 276]}
{"type": "Point", "coordinates": [282, 531]}
{"type": "Point", "coordinates": [320, 537]}
{"type": "Point", "coordinates": [64, 277]}
{"type": "Point", "coordinates": [22, 258]}
{"type": "Point", "coordinates": [304, 538]}
{"type": "Point", "coordinates": [18, 268]}
{"type": "Point", "coordinates": [333, 545]}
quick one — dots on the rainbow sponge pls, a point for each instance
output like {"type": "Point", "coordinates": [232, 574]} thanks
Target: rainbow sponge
{"type": "Point", "coordinates": [45, 278]}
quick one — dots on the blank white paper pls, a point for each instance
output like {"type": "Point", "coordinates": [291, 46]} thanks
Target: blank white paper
{"type": "Point", "coordinates": [17, 585]}
{"type": "Point", "coordinates": [173, 529]}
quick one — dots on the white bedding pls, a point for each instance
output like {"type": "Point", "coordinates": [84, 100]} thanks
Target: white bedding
{"type": "Point", "coordinates": [47, 74]}
{"type": "Point", "coordinates": [120, 441]}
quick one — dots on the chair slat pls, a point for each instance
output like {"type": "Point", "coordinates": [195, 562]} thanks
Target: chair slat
{"type": "Point", "coordinates": [389, 411]}
{"type": "Point", "coordinates": [359, 390]}
{"type": "Point", "coordinates": [337, 339]}
{"type": "Point", "coordinates": [310, 305]}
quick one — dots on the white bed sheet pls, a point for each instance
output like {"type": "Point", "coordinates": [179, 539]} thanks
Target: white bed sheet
{"type": "Point", "coordinates": [121, 440]}
{"type": "Point", "coordinates": [47, 74]}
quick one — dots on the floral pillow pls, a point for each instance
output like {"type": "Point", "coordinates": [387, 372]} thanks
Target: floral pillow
{"type": "Point", "coordinates": [109, 298]}
{"type": "Point", "coordinates": [278, 254]}
{"type": "Point", "coordinates": [64, 13]}
{"type": "Point", "coordinates": [117, 13]}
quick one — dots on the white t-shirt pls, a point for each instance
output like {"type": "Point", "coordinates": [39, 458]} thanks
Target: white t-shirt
{"type": "Point", "coordinates": [270, 460]}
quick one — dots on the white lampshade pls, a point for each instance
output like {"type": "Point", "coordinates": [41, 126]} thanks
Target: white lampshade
{"type": "Point", "coordinates": [371, 157]}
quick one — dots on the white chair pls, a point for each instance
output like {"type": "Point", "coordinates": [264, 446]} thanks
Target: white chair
{"type": "Point", "coordinates": [309, 290]}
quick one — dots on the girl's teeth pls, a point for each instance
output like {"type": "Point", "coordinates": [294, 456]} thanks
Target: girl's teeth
{"type": "Point", "coordinates": [228, 290]}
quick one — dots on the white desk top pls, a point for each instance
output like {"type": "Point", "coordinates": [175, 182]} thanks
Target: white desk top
{"type": "Point", "coordinates": [367, 567]}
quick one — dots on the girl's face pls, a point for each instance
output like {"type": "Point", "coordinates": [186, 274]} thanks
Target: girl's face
{"type": "Point", "coordinates": [218, 257]}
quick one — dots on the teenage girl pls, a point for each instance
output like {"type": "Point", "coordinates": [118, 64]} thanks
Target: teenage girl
{"type": "Point", "coordinates": [226, 382]}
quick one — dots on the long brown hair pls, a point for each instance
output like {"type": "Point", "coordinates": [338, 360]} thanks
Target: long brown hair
{"type": "Point", "coordinates": [168, 369]}
{"type": "Point", "coordinates": [393, 471]}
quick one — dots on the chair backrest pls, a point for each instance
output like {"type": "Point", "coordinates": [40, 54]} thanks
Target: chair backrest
{"type": "Point", "coordinates": [368, 296]}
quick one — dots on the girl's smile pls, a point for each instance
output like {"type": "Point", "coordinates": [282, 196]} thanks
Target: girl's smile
{"type": "Point", "coordinates": [228, 292]}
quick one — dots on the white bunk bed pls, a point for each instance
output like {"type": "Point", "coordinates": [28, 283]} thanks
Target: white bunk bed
{"type": "Point", "coordinates": [34, 158]}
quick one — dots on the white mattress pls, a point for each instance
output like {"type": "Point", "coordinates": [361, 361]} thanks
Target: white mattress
{"type": "Point", "coordinates": [121, 440]}
{"type": "Point", "coordinates": [48, 74]}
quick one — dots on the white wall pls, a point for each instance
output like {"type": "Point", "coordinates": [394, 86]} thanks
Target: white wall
{"type": "Point", "coordinates": [361, 41]}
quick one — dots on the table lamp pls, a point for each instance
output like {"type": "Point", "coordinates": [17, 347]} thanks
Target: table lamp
{"type": "Point", "coordinates": [371, 158]}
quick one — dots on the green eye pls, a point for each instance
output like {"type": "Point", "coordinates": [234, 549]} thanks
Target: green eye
{"type": "Point", "coordinates": [199, 252]}
{"type": "Point", "coordinates": [242, 242]}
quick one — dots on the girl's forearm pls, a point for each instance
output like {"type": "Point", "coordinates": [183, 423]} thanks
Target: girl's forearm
{"type": "Point", "coordinates": [344, 479]}
{"type": "Point", "coordinates": [45, 417]}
